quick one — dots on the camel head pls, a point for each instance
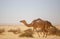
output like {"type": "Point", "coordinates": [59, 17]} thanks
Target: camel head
{"type": "Point", "coordinates": [23, 21]}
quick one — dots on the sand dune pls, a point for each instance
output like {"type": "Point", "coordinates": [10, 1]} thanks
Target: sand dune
{"type": "Point", "coordinates": [10, 35]}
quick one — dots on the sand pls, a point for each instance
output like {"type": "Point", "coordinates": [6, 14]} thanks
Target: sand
{"type": "Point", "coordinates": [10, 35]}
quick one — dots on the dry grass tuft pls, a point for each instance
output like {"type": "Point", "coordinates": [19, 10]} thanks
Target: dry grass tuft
{"type": "Point", "coordinates": [27, 33]}
{"type": "Point", "coordinates": [2, 31]}
{"type": "Point", "coordinates": [15, 31]}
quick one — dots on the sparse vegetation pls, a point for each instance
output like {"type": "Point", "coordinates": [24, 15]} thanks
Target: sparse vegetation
{"type": "Point", "coordinates": [15, 31]}
{"type": "Point", "coordinates": [2, 31]}
{"type": "Point", "coordinates": [27, 33]}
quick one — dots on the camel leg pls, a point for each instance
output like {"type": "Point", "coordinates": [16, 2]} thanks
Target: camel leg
{"type": "Point", "coordinates": [45, 34]}
{"type": "Point", "coordinates": [37, 32]}
{"type": "Point", "coordinates": [33, 29]}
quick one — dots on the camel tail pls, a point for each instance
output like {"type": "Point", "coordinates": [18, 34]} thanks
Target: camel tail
{"type": "Point", "coordinates": [52, 26]}
{"type": "Point", "coordinates": [55, 27]}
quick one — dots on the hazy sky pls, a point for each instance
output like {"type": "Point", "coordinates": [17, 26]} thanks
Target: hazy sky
{"type": "Point", "coordinates": [12, 11]}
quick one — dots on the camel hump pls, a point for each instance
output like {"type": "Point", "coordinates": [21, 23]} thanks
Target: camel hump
{"type": "Point", "coordinates": [49, 23]}
{"type": "Point", "coordinates": [38, 20]}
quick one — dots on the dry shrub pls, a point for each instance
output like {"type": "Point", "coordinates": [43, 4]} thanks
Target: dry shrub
{"type": "Point", "coordinates": [2, 31]}
{"type": "Point", "coordinates": [27, 33]}
{"type": "Point", "coordinates": [15, 31]}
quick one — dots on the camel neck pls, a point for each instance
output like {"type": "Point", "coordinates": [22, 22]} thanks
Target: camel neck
{"type": "Point", "coordinates": [28, 25]}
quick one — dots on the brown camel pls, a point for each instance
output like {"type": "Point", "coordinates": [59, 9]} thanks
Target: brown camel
{"type": "Point", "coordinates": [39, 23]}
{"type": "Point", "coordinates": [35, 24]}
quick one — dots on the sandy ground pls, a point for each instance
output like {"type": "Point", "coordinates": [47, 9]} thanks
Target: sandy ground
{"type": "Point", "coordinates": [10, 35]}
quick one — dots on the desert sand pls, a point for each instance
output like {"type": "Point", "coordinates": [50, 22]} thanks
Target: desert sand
{"type": "Point", "coordinates": [10, 35]}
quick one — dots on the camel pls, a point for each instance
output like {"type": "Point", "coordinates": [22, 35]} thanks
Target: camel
{"type": "Point", "coordinates": [35, 24]}
{"type": "Point", "coordinates": [39, 23]}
